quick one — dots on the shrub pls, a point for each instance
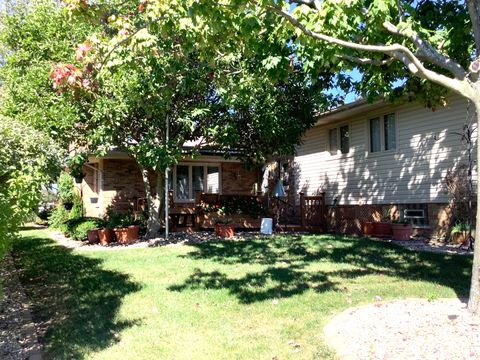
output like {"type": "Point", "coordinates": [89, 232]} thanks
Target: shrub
{"type": "Point", "coordinates": [58, 218]}
{"type": "Point", "coordinates": [77, 209]}
{"type": "Point", "coordinates": [66, 191]}
{"type": "Point", "coordinates": [77, 228]}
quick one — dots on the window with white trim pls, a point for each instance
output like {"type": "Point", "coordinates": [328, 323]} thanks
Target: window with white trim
{"type": "Point", "coordinates": [190, 178]}
{"type": "Point", "coordinates": [339, 139]}
{"type": "Point", "coordinates": [383, 133]}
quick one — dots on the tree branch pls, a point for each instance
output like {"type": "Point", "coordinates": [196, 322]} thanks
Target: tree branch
{"type": "Point", "coordinates": [428, 52]}
{"type": "Point", "coordinates": [474, 12]}
{"type": "Point", "coordinates": [397, 51]}
{"type": "Point", "coordinates": [366, 61]}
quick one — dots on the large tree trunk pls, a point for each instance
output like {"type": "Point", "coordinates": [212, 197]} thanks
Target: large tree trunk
{"type": "Point", "coordinates": [154, 201]}
{"type": "Point", "coordinates": [474, 298]}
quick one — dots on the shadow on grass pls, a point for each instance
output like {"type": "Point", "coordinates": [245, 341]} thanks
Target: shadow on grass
{"type": "Point", "coordinates": [286, 266]}
{"type": "Point", "coordinates": [74, 300]}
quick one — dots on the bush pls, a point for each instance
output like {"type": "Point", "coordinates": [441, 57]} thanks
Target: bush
{"type": "Point", "coordinates": [77, 209]}
{"type": "Point", "coordinates": [77, 228]}
{"type": "Point", "coordinates": [58, 218]}
{"type": "Point", "coordinates": [66, 191]}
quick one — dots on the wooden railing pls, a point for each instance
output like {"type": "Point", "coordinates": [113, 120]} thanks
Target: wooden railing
{"type": "Point", "coordinates": [313, 210]}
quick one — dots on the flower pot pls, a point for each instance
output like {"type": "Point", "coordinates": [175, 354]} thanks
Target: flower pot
{"type": "Point", "coordinates": [68, 205]}
{"type": "Point", "coordinates": [401, 231]}
{"type": "Point", "coordinates": [92, 236]}
{"type": "Point", "coordinates": [382, 229]}
{"type": "Point", "coordinates": [127, 234]}
{"type": "Point", "coordinates": [79, 179]}
{"type": "Point", "coordinates": [368, 229]}
{"type": "Point", "coordinates": [224, 230]}
{"type": "Point", "coordinates": [105, 236]}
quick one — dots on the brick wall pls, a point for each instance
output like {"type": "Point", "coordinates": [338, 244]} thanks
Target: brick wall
{"type": "Point", "coordinates": [122, 185]}
{"type": "Point", "coordinates": [238, 180]}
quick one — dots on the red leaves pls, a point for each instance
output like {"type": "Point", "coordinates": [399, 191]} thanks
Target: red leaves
{"type": "Point", "coordinates": [82, 50]}
{"type": "Point", "coordinates": [65, 75]}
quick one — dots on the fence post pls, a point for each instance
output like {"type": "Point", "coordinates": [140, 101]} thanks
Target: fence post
{"type": "Point", "coordinates": [302, 208]}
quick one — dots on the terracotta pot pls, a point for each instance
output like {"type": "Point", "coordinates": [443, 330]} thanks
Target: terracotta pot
{"type": "Point", "coordinates": [401, 231]}
{"type": "Point", "coordinates": [368, 229]}
{"type": "Point", "coordinates": [127, 234]}
{"type": "Point", "coordinates": [105, 236]}
{"type": "Point", "coordinates": [92, 236]}
{"type": "Point", "coordinates": [224, 230]}
{"type": "Point", "coordinates": [382, 229]}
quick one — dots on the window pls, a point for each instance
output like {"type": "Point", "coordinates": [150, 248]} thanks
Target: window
{"type": "Point", "coordinates": [339, 135]}
{"type": "Point", "coordinates": [189, 179]}
{"type": "Point", "coordinates": [383, 136]}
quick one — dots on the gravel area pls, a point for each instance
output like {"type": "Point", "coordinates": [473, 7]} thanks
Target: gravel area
{"type": "Point", "coordinates": [18, 339]}
{"type": "Point", "coordinates": [406, 329]}
{"type": "Point", "coordinates": [424, 244]}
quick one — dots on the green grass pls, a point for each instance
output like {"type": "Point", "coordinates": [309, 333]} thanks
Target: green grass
{"type": "Point", "coordinates": [218, 300]}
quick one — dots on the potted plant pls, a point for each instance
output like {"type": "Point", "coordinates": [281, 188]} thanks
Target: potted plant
{"type": "Point", "coordinates": [106, 236]}
{"type": "Point", "coordinates": [460, 231]}
{"type": "Point", "coordinates": [126, 235]}
{"type": "Point", "coordinates": [92, 236]}
{"type": "Point", "coordinates": [224, 228]}
{"type": "Point", "coordinates": [368, 228]}
{"type": "Point", "coordinates": [383, 228]}
{"type": "Point", "coordinates": [402, 229]}
{"type": "Point", "coordinates": [76, 166]}
{"type": "Point", "coordinates": [66, 191]}
{"type": "Point", "coordinates": [124, 227]}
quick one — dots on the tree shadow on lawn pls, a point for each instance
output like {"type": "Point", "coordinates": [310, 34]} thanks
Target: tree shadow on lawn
{"type": "Point", "coordinates": [287, 262]}
{"type": "Point", "coordinates": [74, 300]}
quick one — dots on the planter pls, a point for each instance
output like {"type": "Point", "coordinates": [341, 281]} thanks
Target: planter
{"type": "Point", "coordinates": [79, 179]}
{"type": "Point", "coordinates": [382, 229]}
{"type": "Point", "coordinates": [68, 205]}
{"type": "Point", "coordinates": [105, 236]}
{"type": "Point", "coordinates": [208, 221]}
{"type": "Point", "coordinates": [127, 234]}
{"type": "Point", "coordinates": [92, 236]}
{"type": "Point", "coordinates": [401, 231]}
{"type": "Point", "coordinates": [224, 230]}
{"type": "Point", "coordinates": [368, 229]}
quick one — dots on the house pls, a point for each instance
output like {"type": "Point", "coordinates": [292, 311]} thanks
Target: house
{"type": "Point", "coordinates": [375, 158]}
{"type": "Point", "coordinates": [114, 182]}
{"type": "Point", "coordinates": [366, 161]}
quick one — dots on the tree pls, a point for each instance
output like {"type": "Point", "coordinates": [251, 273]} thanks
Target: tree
{"type": "Point", "coordinates": [431, 47]}
{"type": "Point", "coordinates": [34, 35]}
{"type": "Point", "coordinates": [28, 159]}
{"type": "Point", "coordinates": [414, 35]}
{"type": "Point", "coordinates": [143, 71]}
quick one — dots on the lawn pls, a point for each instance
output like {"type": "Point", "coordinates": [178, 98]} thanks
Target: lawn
{"type": "Point", "coordinates": [250, 299]}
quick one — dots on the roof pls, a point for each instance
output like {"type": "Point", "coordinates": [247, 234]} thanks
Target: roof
{"type": "Point", "coordinates": [350, 109]}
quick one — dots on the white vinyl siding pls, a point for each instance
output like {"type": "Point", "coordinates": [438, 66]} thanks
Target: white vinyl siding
{"type": "Point", "coordinates": [426, 145]}
{"type": "Point", "coordinates": [339, 135]}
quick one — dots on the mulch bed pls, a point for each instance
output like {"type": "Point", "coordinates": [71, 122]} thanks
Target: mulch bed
{"type": "Point", "coordinates": [18, 339]}
{"type": "Point", "coordinates": [176, 238]}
